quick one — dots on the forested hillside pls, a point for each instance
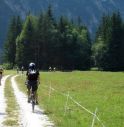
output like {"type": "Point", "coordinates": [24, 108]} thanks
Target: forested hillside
{"type": "Point", "coordinates": [108, 49]}
{"type": "Point", "coordinates": [48, 42]}
{"type": "Point", "coordinates": [60, 36]}
{"type": "Point", "coordinates": [63, 44]}
{"type": "Point", "coordinates": [89, 11]}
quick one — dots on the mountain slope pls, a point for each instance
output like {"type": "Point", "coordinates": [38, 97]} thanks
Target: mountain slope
{"type": "Point", "coordinates": [89, 10]}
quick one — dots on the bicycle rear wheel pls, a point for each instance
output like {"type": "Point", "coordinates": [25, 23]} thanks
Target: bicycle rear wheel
{"type": "Point", "coordinates": [33, 103]}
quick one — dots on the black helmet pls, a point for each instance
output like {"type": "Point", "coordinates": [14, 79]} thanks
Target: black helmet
{"type": "Point", "coordinates": [32, 66]}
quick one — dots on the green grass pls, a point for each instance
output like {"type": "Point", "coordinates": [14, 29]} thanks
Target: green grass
{"type": "Point", "coordinates": [12, 107]}
{"type": "Point", "coordinates": [91, 89]}
{"type": "Point", "coordinates": [9, 72]}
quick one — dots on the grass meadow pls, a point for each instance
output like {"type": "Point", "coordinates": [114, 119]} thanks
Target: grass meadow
{"type": "Point", "coordinates": [91, 89]}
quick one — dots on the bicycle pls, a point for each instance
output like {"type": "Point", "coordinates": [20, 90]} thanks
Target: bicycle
{"type": "Point", "coordinates": [32, 100]}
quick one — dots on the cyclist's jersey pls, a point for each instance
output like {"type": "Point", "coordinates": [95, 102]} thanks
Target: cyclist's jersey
{"type": "Point", "coordinates": [32, 75]}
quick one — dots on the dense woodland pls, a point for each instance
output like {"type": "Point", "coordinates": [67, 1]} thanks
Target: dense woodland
{"type": "Point", "coordinates": [64, 44]}
{"type": "Point", "coordinates": [108, 48]}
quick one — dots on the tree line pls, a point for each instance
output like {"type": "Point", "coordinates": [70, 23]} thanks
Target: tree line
{"type": "Point", "coordinates": [65, 44]}
{"type": "Point", "coordinates": [108, 49]}
{"type": "Point", "coordinates": [47, 41]}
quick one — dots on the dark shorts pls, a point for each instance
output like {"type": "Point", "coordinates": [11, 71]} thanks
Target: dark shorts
{"type": "Point", "coordinates": [32, 85]}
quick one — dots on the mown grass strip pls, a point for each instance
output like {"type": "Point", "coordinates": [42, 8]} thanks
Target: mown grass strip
{"type": "Point", "coordinates": [12, 118]}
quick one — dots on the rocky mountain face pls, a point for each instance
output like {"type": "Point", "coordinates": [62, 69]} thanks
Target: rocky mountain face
{"type": "Point", "coordinates": [89, 10]}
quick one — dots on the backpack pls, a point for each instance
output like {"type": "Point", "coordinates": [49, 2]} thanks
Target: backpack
{"type": "Point", "coordinates": [32, 75]}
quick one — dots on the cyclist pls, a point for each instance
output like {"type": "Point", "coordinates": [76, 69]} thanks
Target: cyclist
{"type": "Point", "coordinates": [1, 74]}
{"type": "Point", "coordinates": [22, 69]}
{"type": "Point", "coordinates": [17, 70]}
{"type": "Point", "coordinates": [32, 81]}
{"type": "Point", "coordinates": [50, 68]}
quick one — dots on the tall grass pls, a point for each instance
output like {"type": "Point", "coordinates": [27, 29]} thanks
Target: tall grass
{"type": "Point", "coordinates": [103, 90]}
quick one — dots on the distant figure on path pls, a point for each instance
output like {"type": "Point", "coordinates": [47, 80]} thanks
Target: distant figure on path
{"type": "Point", "coordinates": [22, 69]}
{"type": "Point", "coordinates": [1, 74]}
{"type": "Point", "coordinates": [50, 68]}
{"type": "Point", "coordinates": [17, 70]}
{"type": "Point", "coordinates": [54, 69]}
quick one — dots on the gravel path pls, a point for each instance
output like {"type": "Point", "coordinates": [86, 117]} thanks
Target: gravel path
{"type": "Point", "coordinates": [27, 118]}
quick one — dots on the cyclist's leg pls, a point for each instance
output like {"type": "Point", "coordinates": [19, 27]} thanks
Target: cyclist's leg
{"type": "Point", "coordinates": [36, 96]}
{"type": "Point", "coordinates": [34, 88]}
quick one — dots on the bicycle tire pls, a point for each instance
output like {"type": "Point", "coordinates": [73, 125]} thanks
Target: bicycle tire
{"type": "Point", "coordinates": [33, 102]}
{"type": "Point", "coordinates": [33, 105]}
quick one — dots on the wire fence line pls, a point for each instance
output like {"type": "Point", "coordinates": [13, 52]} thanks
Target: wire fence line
{"type": "Point", "coordinates": [50, 89]}
{"type": "Point", "coordinates": [93, 121]}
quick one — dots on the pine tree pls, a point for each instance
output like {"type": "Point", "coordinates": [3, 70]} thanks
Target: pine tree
{"type": "Point", "coordinates": [84, 49]}
{"type": "Point", "coordinates": [26, 43]}
{"type": "Point", "coordinates": [39, 39]}
{"type": "Point", "coordinates": [108, 49]}
{"type": "Point", "coordinates": [75, 46]}
{"type": "Point", "coordinates": [48, 33]}
{"type": "Point", "coordinates": [10, 44]}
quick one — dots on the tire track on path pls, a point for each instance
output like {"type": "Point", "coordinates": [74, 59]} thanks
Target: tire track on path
{"type": "Point", "coordinates": [27, 118]}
